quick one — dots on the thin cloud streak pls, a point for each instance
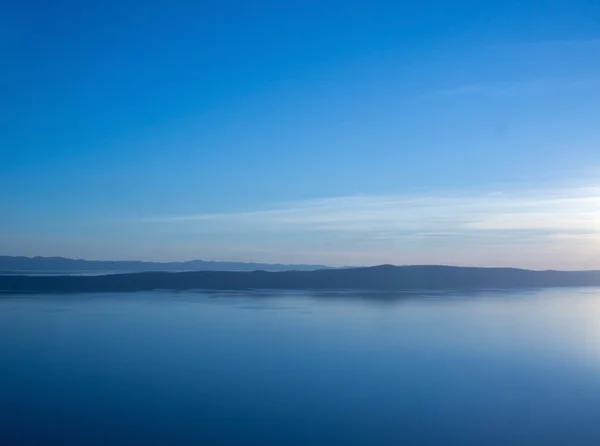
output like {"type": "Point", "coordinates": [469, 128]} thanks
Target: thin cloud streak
{"type": "Point", "coordinates": [571, 211]}
{"type": "Point", "coordinates": [538, 229]}
{"type": "Point", "coordinates": [553, 44]}
{"type": "Point", "coordinates": [539, 86]}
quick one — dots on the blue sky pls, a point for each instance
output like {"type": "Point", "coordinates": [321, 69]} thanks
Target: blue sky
{"type": "Point", "coordinates": [339, 132]}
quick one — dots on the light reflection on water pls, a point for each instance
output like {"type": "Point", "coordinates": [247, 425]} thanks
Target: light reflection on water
{"type": "Point", "coordinates": [494, 368]}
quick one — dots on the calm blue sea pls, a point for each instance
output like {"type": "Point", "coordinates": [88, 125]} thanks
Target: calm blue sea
{"type": "Point", "coordinates": [161, 368]}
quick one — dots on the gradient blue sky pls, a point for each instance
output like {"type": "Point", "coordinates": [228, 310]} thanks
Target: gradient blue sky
{"type": "Point", "coordinates": [339, 132]}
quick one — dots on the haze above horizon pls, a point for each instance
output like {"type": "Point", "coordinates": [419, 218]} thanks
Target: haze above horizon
{"type": "Point", "coordinates": [338, 133]}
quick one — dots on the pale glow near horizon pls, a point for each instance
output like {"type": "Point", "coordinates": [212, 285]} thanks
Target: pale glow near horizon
{"type": "Point", "coordinates": [539, 229]}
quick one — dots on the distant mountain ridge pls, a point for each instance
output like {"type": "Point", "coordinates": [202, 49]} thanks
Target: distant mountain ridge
{"type": "Point", "coordinates": [385, 277]}
{"type": "Point", "coordinates": [62, 264]}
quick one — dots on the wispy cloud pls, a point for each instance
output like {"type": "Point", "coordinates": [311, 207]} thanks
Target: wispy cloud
{"type": "Point", "coordinates": [541, 229]}
{"type": "Point", "coordinates": [570, 210]}
{"type": "Point", "coordinates": [549, 82]}
{"type": "Point", "coordinates": [550, 44]}
{"type": "Point", "coordinates": [537, 86]}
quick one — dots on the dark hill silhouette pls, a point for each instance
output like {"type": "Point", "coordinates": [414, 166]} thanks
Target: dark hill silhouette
{"type": "Point", "coordinates": [65, 265]}
{"type": "Point", "coordinates": [385, 277]}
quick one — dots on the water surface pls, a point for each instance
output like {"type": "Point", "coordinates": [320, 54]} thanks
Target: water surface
{"type": "Point", "coordinates": [189, 368]}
